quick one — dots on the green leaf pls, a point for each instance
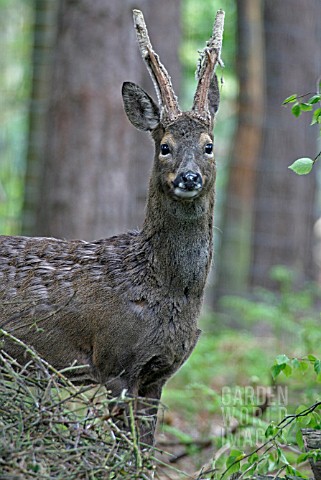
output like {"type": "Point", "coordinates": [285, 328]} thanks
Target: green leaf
{"type": "Point", "coordinates": [283, 458]}
{"type": "Point", "coordinates": [295, 363]}
{"type": "Point", "coordinates": [287, 370]}
{"type": "Point", "coordinates": [316, 117]}
{"type": "Point", "coordinates": [302, 458]}
{"type": "Point", "coordinates": [299, 439]}
{"type": "Point", "coordinates": [277, 369]}
{"type": "Point", "coordinates": [305, 107]}
{"type": "Point", "coordinates": [271, 430]}
{"type": "Point", "coordinates": [293, 471]}
{"type": "Point", "coordinates": [296, 110]}
{"type": "Point", "coordinates": [314, 420]}
{"type": "Point", "coordinates": [263, 466]}
{"type": "Point", "coordinates": [235, 468]}
{"type": "Point", "coordinates": [300, 409]}
{"type": "Point", "coordinates": [303, 366]}
{"type": "Point", "coordinates": [303, 420]}
{"type": "Point", "coordinates": [290, 99]}
{"type": "Point", "coordinates": [253, 458]}
{"type": "Point", "coordinates": [312, 358]}
{"type": "Point", "coordinates": [314, 99]}
{"type": "Point", "coordinates": [238, 454]}
{"type": "Point", "coordinates": [317, 366]}
{"type": "Point", "coordinates": [302, 166]}
{"type": "Point", "coordinates": [233, 461]}
{"type": "Point", "coordinates": [280, 359]}
{"type": "Point", "coordinates": [249, 469]}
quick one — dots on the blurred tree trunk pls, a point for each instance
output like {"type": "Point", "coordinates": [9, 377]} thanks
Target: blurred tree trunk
{"type": "Point", "coordinates": [44, 28]}
{"type": "Point", "coordinates": [95, 165]}
{"type": "Point", "coordinates": [238, 215]}
{"type": "Point", "coordinates": [269, 212]}
{"type": "Point", "coordinates": [284, 205]}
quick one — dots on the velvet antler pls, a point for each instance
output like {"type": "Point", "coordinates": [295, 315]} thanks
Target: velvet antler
{"type": "Point", "coordinates": [167, 99]}
{"type": "Point", "coordinates": [161, 79]}
{"type": "Point", "coordinates": [210, 56]}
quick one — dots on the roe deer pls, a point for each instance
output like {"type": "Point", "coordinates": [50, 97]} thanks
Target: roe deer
{"type": "Point", "coordinates": [125, 308]}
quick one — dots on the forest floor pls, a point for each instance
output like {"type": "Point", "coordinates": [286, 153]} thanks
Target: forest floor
{"type": "Point", "coordinates": [225, 396]}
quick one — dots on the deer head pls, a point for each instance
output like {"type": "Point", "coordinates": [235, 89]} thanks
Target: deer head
{"type": "Point", "coordinates": [184, 161]}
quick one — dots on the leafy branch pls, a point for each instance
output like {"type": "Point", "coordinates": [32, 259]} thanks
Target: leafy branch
{"type": "Point", "coordinates": [304, 165]}
{"type": "Point", "coordinates": [286, 365]}
{"type": "Point", "coordinates": [275, 432]}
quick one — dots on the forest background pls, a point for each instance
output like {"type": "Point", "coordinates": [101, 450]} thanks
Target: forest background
{"type": "Point", "coordinates": [72, 166]}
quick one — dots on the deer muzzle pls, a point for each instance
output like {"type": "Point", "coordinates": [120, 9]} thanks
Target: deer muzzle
{"type": "Point", "coordinates": [187, 184]}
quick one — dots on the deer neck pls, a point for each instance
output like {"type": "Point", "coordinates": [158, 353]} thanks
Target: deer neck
{"type": "Point", "coordinates": [180, 236]}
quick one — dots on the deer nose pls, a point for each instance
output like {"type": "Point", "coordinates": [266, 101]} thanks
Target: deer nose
{"type": "Point", "coordinates": [189, 181]}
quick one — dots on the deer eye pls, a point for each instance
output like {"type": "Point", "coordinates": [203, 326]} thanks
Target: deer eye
{"type": "Point", "coordinates": [209, 148]}
{"type": "Point", "coordinates": [165, 150]}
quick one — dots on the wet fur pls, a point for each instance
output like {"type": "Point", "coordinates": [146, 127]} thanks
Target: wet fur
{"type": "Point", "coordinates": [126, 306]}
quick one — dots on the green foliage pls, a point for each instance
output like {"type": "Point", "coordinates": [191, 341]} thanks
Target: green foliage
{"type": "Point", "coordinates": [287, 366]}
{"type": "Point", "coordinates": [272, 456]}
{"type": "Point", "coordinates": [257, 369]}
{"type": "Point", "coordinates": [300, 107]}
{"type": "Point", "coordinates": [288, 312]}
{"type": "Point", "coordinates": [303, 166]}
{"type": "Point", "coordinates": [15, 79]}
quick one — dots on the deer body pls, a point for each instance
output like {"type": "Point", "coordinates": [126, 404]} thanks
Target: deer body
{"type": "Point", "coordinates": [125, 307]}
{"type": "Point", "coordinates": [105, 303]}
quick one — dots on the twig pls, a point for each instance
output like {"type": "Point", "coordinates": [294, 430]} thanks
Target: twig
{"type": "Point", "coordinates": [48, 423]}
{"type": "Point", "coordinates": [134, 436]}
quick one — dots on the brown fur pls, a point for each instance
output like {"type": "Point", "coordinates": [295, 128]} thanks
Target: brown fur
{"type": "Point", "coordinates": [126, 306]}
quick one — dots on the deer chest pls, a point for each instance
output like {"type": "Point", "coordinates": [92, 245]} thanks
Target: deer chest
{"type": "Point", "coordinates": [168, 334]}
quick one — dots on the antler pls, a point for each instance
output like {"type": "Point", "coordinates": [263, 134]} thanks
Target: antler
{"type": "Point", "coordinates": [210, 56]}
{"type": "Point", "coordinates": [161, 79]}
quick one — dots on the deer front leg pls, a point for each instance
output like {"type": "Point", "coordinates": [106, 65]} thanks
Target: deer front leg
{"type": "Point", "coordinates": [135, 408]}
{"type": "Point", "coordinates": [146, 410]}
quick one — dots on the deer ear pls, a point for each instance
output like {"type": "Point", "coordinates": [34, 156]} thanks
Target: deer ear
{"type": "Point", "coordinates": [213, 96]}
{"type": "Point", "coordinates": [140, 108]}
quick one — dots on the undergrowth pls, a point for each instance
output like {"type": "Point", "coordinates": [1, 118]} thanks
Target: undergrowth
{"type": "Point", "coordinates": [51, 429]}
{"type": "Point", "coordinates": [251, 386]}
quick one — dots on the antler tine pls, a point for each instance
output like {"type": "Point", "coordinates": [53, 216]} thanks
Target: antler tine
{"type": "Point", "coordinates": [161, 79]}
{"type": "Point", "coordinates": [210, 56]}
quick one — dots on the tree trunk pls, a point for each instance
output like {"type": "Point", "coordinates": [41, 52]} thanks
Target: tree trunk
{"type": "Point", "coordinates": [44, 28]}
{"type": "Point", "coordinates": [312, 441]}
{"type": "Point", "coordinates": [95, 167]}
{"type": "Point", "coordinates": [238, 216]}
{"type": "Point", "coordinates": [269, 213]}
{"type": "Point", "coordinates": [284, 205]}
